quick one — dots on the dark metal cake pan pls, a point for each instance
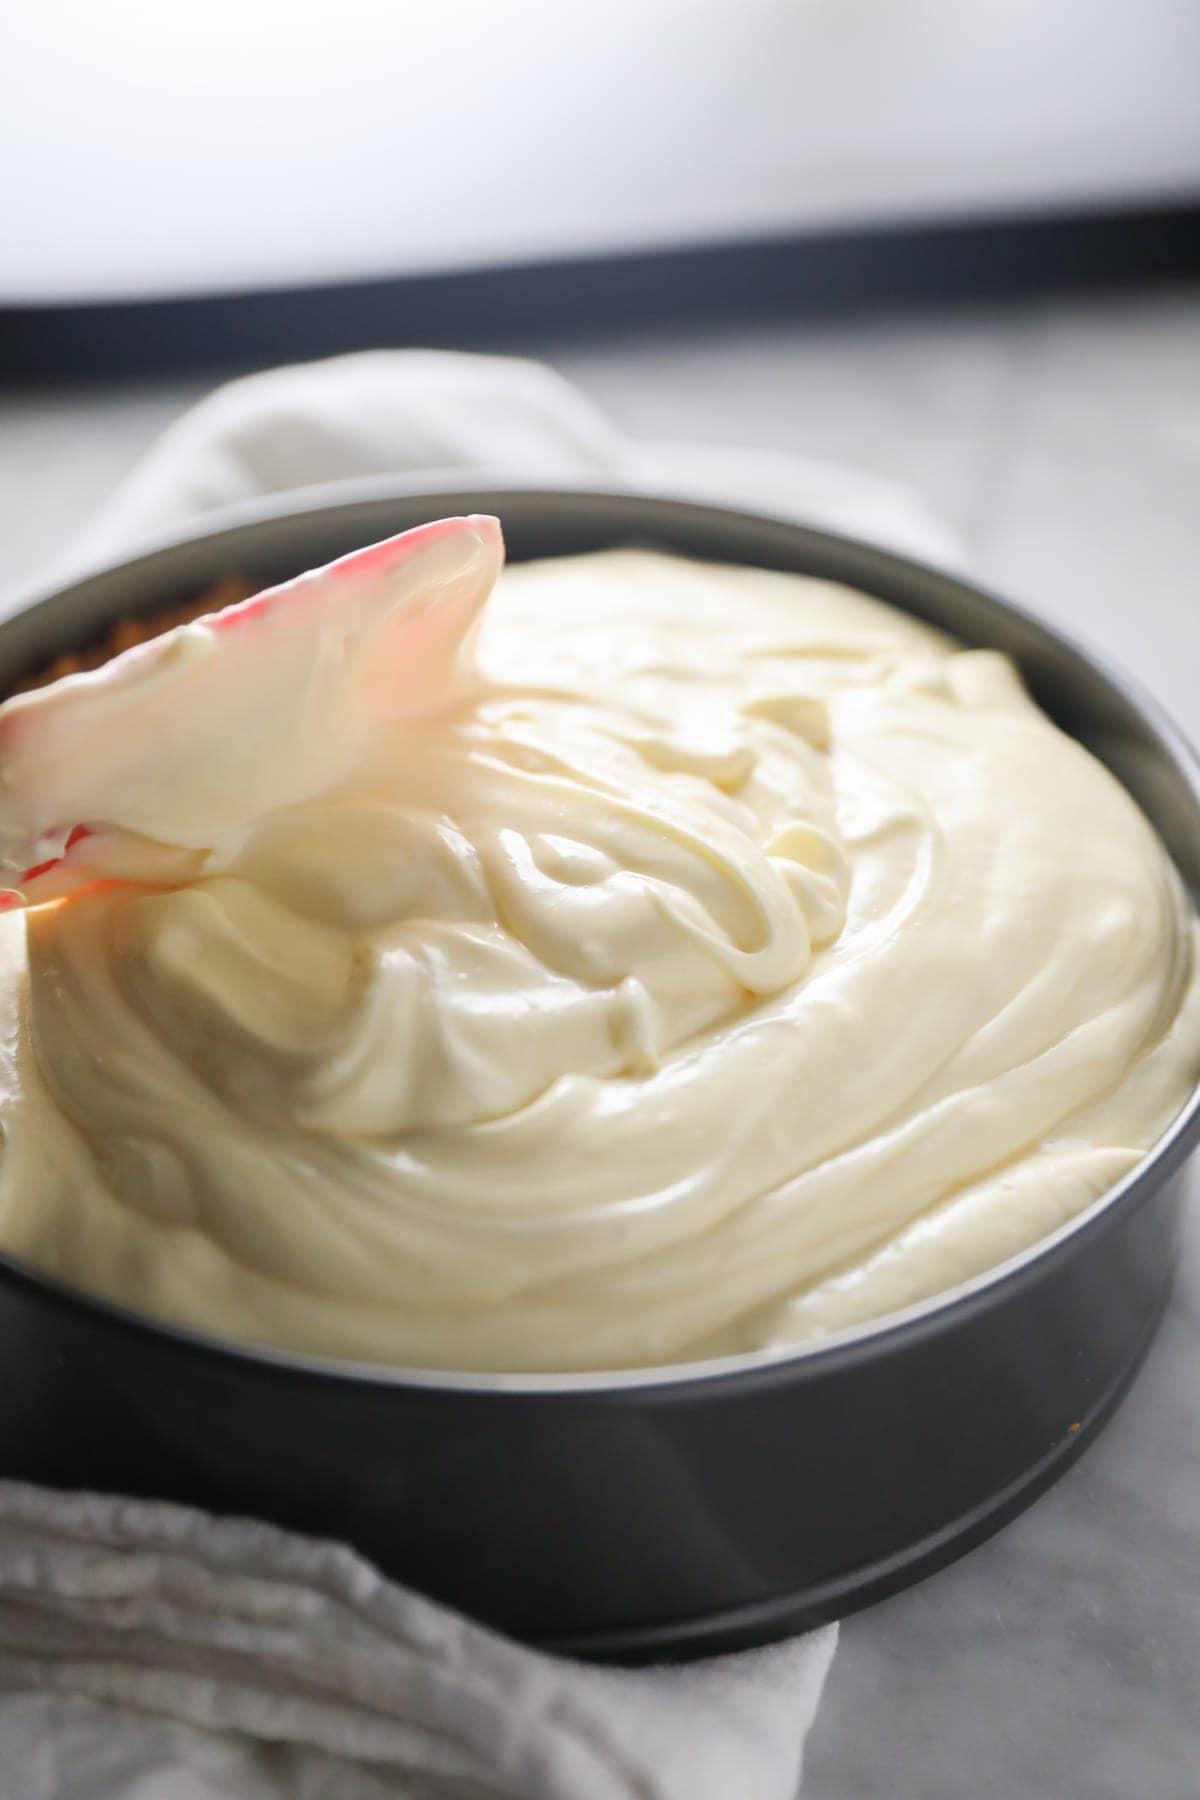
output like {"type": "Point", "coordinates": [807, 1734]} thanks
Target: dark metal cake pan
{"type": "Point", "coordinates": [660, 1512]}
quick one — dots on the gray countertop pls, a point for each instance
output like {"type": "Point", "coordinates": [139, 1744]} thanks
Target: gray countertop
{"type": "Point", "coordinates": [1061, 1661]}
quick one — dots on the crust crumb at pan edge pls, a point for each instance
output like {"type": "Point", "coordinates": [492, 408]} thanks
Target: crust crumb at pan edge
{"type": "Point", "coordinates": [127, 632]}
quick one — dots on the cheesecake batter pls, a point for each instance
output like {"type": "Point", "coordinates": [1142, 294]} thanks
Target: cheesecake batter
{"type": "Point", "coordinates": [649, 961]}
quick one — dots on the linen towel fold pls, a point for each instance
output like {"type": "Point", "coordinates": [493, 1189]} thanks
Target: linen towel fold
{"type": "Point", "coordinates": [437, 413]}
{"type": "Point", "coordinates": [149, 1652]}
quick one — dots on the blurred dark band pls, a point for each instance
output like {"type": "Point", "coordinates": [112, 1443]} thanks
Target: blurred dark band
{"type": "Point", "coordinates": [500, 307]}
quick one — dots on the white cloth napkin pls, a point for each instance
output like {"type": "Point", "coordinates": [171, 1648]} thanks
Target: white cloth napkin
{"type": "Point", "coordinates": [417, 412]}
{"type": "Point", "coordinates": [149, 1652]}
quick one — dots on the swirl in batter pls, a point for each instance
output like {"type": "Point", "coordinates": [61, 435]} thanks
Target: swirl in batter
{"type": "Point", "coordinates": [654, 960]}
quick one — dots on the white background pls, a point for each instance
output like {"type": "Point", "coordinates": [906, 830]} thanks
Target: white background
{"type": "Point", "coordinates": [164, 146]}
